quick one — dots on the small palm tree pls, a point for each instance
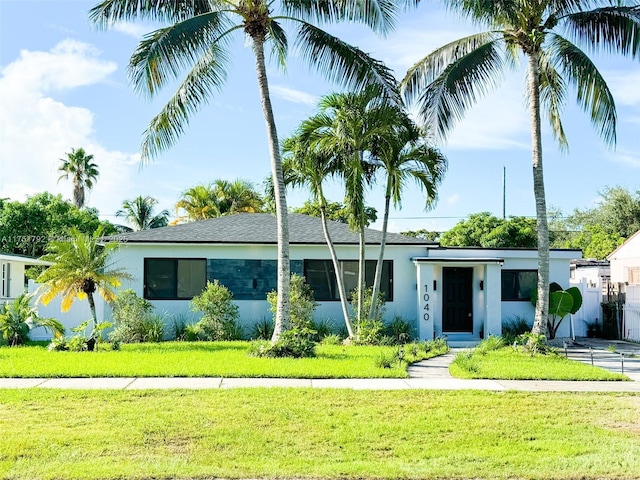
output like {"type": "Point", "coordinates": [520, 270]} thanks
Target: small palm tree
{"type": "Point", "coordinates": [19, 317]}
{"type": "Point", "coordinates": [139, 213]}
{"type": "Point", "coordinates": [79, 167]}
{"type": "Point", "coordinates": [449, 80]}
{"type": "Point", "coordinates": [237, 196]}
{"type": "Point", "coordinates": [404, 156]}
{"type": "Point", "coordinates": [80, 267]}
{"type": "Point", "coordinates": [305, 167]}
{"type": "Point", "coordinates": [199, 37]}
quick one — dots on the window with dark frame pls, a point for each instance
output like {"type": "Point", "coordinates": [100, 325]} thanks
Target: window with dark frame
{"type": "Point", "coordinates": [174, 278]}
{"type": "Point", "coordinates": [518, 284]}
{"type": "Point", "coordinates": [320, 275]}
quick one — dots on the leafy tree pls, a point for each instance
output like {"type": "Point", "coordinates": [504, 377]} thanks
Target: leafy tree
{"type": "Point", "coordinates": [19, 317]}
{"type": "Point", "coordinates": [423, 234]}
{"type": "Point", "coordinates": [83, 173]}
{"type": "Point", "coordinates": [485, 230]}
{"type": "Point", "coordinates": [237, 196]}
{"type": "Point", "coordinates": [199, 202]}
{"type": "Point", "coordinates": [80, 267]}
{"type": "Point", "coordinates": [448, 81]}
{"type": "Point", "coordinates": [199, 36]}
{"type": "Point", "coordinates": [139, 213]}
{"type": "Point", "coordinates": [26, 227]}
{"type": "Point", "coordinates": [470, 232]}
{"type": "Point", "coordinates": [335, 211]}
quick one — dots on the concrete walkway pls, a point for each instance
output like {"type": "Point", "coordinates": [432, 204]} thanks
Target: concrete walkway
{"type": "Point", "coordinates": [432, 374]}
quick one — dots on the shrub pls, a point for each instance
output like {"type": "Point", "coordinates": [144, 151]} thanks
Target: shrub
{"type": "Point", "coordinates": [18, 318]}
{"type": "Point", "coordinates": [400, 330]}
{"type": "Point", "coordinates": [220, 314]}
{"type": "Point", "coordinates": [368, 331]}
{"type": "Point", "coordinates": [323, 329]}
{"type": "Point", "coordinates": [262, 330]}
{"type": "Point", "coordinates": [333, 339]}
{"type": "Point", "coordinates": [514, 327]}
{"type": "Point", "coordinates": [295, 343]}
{"type": "Point", "coordinates": [301, 303]}
{"type": "Point", "coordinates": [134, 320]}
{"type": "Point", "coordinates": [466, 361]}
{"type": "Point", "coordinates": [489, 344]}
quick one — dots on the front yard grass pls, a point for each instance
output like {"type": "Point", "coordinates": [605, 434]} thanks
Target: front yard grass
{"type": "Point", "coordinates": [207, 359]}
{"type": "Point", "coordinates": [507, 363]}
{"type": "Point", "coordinates": [320, 434]}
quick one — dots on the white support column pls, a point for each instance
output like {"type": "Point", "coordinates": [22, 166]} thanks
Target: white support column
{"type": "Point", "coordinates": [425, 301]}
{"type": "Point", "coordinates": [492, 289]}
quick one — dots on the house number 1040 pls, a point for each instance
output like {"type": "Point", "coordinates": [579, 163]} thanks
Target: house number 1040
{"type": "Point", "coordinates": [425, 298]}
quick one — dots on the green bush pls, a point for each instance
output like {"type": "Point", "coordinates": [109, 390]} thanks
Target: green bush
{"type": "Point", "coordinates": [333, 339]}
{"type": "Point", "coordinates": [323, 329]}
{"type": "Point", "coordinates": [301, 303]}
{"type": "Point", "coordinates": [513, 328]}
{"type": "Point", "coordinates": [262, 330]}
{"type": "Point", "coordinates": [134, 320]}
{"type": "Point", "coordinates": [19, 317]}
{"type": "Point", "coordinates": [400, 330]}
{"type": "Point", "coordinates": [295, 343]}
{"type": "Point", "coordinates": [368, 331]}
{"type": "Point", "coordinates": [489, 344]}
{"type": "Point", "coordinates": [220, 315]}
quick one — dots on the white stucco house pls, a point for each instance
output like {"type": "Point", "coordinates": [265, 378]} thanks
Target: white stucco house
{"type": "Point", "coordinates": [464, 293]}
{"type": "Point", "coordinates": [625, 261]}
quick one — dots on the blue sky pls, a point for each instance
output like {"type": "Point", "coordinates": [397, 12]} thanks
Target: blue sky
{"type": "Point", "coordinates": [64, 85]}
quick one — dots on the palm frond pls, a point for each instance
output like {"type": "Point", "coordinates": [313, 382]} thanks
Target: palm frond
{"type": "Point", "coordinates": [613, 29]}
{"type": "Point", "coordinates": [444, 100]}
{"type": "Point", "coordinates": [110, 12]}
{"type": "Point", "coordinates": [277, 38]}
{"type": "Point", "coordinates": [165, 53]}
{"type": "Point", "coordinates": [592, 92]}
{"type": "Point", "coordinates": [208, 74]}
{"type": "Point", "coordinates": [488, 12]}
{"type": "Point", "coordinates": [343, 63]}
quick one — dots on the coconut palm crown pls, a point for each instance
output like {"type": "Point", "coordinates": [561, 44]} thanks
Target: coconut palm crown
{"type": "Point", "coordinates": [83, 172]}
{"type": "Point", "coordinates": [546, 33]}
{"type": "Point", "coordinates": [198, 39]}
{"type": "Point", "coordinates": [139, 213]}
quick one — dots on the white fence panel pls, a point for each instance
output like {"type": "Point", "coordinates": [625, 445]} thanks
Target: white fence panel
{"type": "Point", "coordinates": [591, 310]}
{"type": "Point", "coordinates": [631, 319]}
{"type": "Point", "coordinates": [78, 313]}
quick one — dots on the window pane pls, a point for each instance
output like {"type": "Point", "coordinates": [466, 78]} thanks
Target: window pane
{"type": "Point", "coordinates": [350, 276]}
{"type": "Point", "coordinates": [191, 278]}
{"type": "Point", "coordinates": [527, 281]}
{"type": "Point", "coordinates": [518, 284]}
{"type": "Point", "coordinates": [159, 278]}
{"type": "Point", "coordinates": [321, 277]}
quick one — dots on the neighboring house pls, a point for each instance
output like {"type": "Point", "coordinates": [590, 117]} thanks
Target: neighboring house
{"type": "Point", "coordinates": [625, 261]}
{"type": "Point", "coordinates": [593, 278]}
{"type": "Point", "coordinates": [12, 279]}
{"type": "Point", "coordinates": [464, 293]}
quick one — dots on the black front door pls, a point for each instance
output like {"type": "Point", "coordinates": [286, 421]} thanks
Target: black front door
{"type": "Point", "coordinates": [457, 305]}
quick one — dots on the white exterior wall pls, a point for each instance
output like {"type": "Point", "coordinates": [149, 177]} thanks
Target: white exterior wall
{"type": "Point", "coordinates": [131, 257]}
{"type": "Point", "coordinates": [624, 257]}
{"type": "Point", "coordinates": [13, 282]}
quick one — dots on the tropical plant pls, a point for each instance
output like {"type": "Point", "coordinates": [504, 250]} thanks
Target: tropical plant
{"type": "Point", "coordinates": [219, 313]}
{"type": "Point", "coordinates": [199, 36]}
{"type": "Point", "coordinates": [83, 173]}
{"type": "Point", "coordinates": [80, 266]}
{"type": "Point", "coordinates": [199, 203]}
{"type": "Point", "coordinates": [18, 318]}
{"type": "Point", "coordinates": [134, 320]}
{"type": "Point", "coordinates": [403, 156]}
{"type": "Point", "coordinates": [306, 167]}
{"type": "Point", "coordinates": [448, 81]}
{"type": "Point", "coordinates": [139, 213]}
{"type": "Point", "coordinates": [561, 303]}
{"type": "Point", "coordinates": [237, 196]}
{"type": "Point", "coordinates": [302, 305]}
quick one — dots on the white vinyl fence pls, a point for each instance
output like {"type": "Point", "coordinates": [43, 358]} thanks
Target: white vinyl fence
{"type": "Point", "coordinates": [631, 317]}
{"type": "Point", "coordinates": [591, 310]}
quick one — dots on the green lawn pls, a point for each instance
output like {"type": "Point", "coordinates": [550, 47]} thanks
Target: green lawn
{"type": "Point", "coordinates": [320, 434]}
{"type": "Point", "coordinates": [509, 364]}
{"type": "Point", "coordinates": [203, 359]}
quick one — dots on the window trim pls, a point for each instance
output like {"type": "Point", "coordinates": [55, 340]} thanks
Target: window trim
{"type": "Point", "coordinates": [175, 260]}
{"type": "Point", "coordinates": [502, 299]}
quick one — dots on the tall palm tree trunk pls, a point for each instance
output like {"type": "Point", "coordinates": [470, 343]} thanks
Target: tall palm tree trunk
{"type": "Point", "coordinates": [78, 194]}
{"type": "Point", "coordinates": [378, 276]}
{"type": "Point", "coordinates": [94, 316]}
{"type": "Point", "coordinates": [336, 266]}
{"type": "Point", "coordinates": [361, 273]}
{"type": "Point", "coordinates": [542, 306]}
{"type": "Point", "coordinates": [282, 320]}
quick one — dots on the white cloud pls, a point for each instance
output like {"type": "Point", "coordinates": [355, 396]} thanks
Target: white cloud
{"type": "Point", "coordinates": [453, 199]}
{"type": "Point", "coordinates": [631, 159]}
{"type": "Point", "coordinates": [291, 95]}
{"type": "Point", "coordinates": [624, 86]}
{"type": "Point", "coordinates": [37, 130]}
{"type": "Point", "coordinates": [136, 30]}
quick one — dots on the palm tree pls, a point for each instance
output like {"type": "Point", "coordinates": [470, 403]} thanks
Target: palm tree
{"type": "Point", "coordinates": [199, 37]}
{"type": "Point", "coordinates": [349, 129]}
{"type": "Point", "coordinates": [449, 80]}
{"type": "Point", "coordinates": [237, 196]}
{"type": "Point", "coordinates": [199, 202]}
{"type": "Point", "coordinates": [406, 156]}
{"type": "Point", "coordinates": [139, 213]}
{"type": "Point", "coordinates": [83, 173]}
{"type": "Point", "coordinates": [80, 267]}
{"type": "Point", "coordinates": [304, 167]}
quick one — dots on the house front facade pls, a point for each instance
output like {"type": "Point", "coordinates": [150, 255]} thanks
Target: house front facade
{"type": "Point", "coordinates": [625, 261]}
{"type": "Point", "coordinates": [464, 293]}
{"type": "Point", "coordinates": [12, 275]}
